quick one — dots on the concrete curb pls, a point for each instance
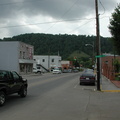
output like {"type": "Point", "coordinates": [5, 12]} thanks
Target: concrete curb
{"type": "Point", "coordinates": [110, 90]}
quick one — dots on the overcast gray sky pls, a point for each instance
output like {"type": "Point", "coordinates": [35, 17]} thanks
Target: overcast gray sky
{"type": "Point", "coordinates": [54, 17]}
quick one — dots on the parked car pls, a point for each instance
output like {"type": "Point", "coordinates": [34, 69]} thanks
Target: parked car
{"type": "Point", "coordinates": [87, 78]}
{"type": "Point", "coordinates": [37, 70]}
{"type": "Point", "coordinates": [70, 70]}
{"type": "Point", "coordinates": [10, 83]}
{"type": "Point", "coordinates": [89, 70]}
{"type": "Point", "coordinates": [65, 71]}
{"type": "Point", "coordinates": [56, 71]}
{"type": "Point", "coordinates": [75, 70]}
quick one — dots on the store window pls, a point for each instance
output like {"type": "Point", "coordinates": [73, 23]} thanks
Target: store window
{"type": "Point", "coordinates": [43, 60]}
{"type": "Point", "coordinates": [53, 60]}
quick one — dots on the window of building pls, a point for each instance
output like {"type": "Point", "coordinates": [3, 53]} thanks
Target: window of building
{"type": "Point", "coordinates": [52, 60]}
{"type": "Point", "coordinates": [20, 54]}
{"type": "Point", "coordinates": [22, 68]}
{"type": "Point", "coordinates": [43, 60]}
{"type": "Point", "coordinates": [29, 68]}
{"type": "Point", "coordinates": [106, 62]}
{"type": "Point", "coordinates": [24, 55]}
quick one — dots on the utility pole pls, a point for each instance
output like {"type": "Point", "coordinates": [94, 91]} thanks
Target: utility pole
{"type": "Point", "coordinates": [98, 46]}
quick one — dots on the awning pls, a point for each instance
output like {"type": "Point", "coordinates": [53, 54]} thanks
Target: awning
{"type": "Point", "coordinates": [26, 61]}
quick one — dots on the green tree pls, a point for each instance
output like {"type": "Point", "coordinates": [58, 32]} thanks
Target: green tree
{"type": "Point", "coordinates": [116, 65]}
{"type": "Point", "coordinates": [114, 27]}
{"type": "Point", "coordinates": [65, 44]}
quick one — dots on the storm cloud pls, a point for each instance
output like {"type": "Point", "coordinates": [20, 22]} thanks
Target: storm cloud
{"type": "Point", "coordinates": [52, 16]}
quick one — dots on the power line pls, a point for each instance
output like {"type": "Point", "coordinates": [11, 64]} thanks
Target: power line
{"type": "Point", "coordinates": [91, 19]}
{"type": "Point", "coordinates": [55, 22]}
{"type": "Point", "coordinates": [45, 23]}
{"type": "Point", "coordinates": [103, 8]}
{"type": "Point", "coordinates": [63, 14]}
{"type": "Point", "coordinates": [12, 3]}
{"type": "Point", "coordinates": [69, 20]}
{"type": "Point", "coordinates": [81, 26]}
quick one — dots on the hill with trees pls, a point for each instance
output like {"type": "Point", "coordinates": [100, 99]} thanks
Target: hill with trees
{"type": "Point", "coordinates": [67, 46]}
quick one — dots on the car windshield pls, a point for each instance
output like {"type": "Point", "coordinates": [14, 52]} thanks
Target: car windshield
{"type": "Point", "coordinates": [87, 74]}
{"type": "Point", "coordinates": [88, 70]}
{"type": "Point", "coordinates": [56, 68]}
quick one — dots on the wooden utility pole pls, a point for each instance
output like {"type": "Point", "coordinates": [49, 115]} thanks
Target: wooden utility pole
{"type": "Point", "coordinates": [98, 46]}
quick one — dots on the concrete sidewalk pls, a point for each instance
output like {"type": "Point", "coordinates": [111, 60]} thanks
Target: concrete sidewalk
{"type": "Point", "coordinates": [116, 83]}
{"type": "Point", "coordinates": [109, 86]}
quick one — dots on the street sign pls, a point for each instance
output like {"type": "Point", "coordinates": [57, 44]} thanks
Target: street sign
{"type": "Point", "coordinates": [98, 56]}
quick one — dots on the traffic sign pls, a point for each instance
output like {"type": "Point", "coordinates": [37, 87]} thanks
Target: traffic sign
{"type": "Point", "coordinates": [98, 56]}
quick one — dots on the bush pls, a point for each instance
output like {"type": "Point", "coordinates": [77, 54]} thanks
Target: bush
{"type": "Point", "coordinates": [117, 76]}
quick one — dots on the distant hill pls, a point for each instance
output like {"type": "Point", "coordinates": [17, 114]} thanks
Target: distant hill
{"type": "Point", "coordinates": [64, 44]}
{"type": "Point", "coordinates": [78, 54]}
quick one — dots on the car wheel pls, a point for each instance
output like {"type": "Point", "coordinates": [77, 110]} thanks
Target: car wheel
{"type": "Point", "coordinates": [93, 84]}
{"type": "Point", "coordinates": [23, 91]}
{"type": "Point", "coordinates": [2, 98]}
{"type": "Point", "coordinates": [39, 72]}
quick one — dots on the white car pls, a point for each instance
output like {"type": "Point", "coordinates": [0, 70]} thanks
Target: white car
{"type": "Point", "coordinates": [36, 70]}
{"type": "Point", "coordinates": [56, 71]}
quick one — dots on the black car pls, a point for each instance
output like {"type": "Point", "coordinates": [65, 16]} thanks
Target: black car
{"type": "Point", "coordinates": [11, 82]}
{"type": "Point", "coordinates": [87, 78]}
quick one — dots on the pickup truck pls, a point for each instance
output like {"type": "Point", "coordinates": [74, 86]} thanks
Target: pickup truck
{"type": "Point", "coordinates": [11, 82]}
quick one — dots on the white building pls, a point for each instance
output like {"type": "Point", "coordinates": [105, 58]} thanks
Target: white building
{"type": "Point", "coordinates": [47, 62]}
{"type": "Point", "coordinates": [16, 56]}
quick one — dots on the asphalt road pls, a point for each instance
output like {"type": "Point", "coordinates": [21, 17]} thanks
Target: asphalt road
{"type": "Point", "coordinates": [60, 97]}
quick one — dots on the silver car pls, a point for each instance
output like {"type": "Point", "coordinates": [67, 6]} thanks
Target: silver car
{"type": "Point", "coordinates": [56, 71]}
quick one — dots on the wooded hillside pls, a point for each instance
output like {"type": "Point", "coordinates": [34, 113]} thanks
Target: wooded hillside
{"type": "Point", "coordinates": [65, 44]}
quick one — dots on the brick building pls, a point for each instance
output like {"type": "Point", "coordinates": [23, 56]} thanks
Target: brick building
{"type": "Point", "coordinates": [107, 66]}
{"type": "Point", "coordinates": [66, 65]}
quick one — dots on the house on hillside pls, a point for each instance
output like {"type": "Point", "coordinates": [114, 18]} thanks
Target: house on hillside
{"type": "Point", "coordinates": [16, 56]}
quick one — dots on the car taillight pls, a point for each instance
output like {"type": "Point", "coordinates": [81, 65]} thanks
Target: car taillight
{"type": "Point", "coordinates": [93, 78]}
{"type": "Point", "coordinates": [82, 77]}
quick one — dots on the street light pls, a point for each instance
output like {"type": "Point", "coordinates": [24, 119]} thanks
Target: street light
{"type": "Point", "coordinates": [92, 45]}
{"type": "Point", "coordinates": [89, 45]}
